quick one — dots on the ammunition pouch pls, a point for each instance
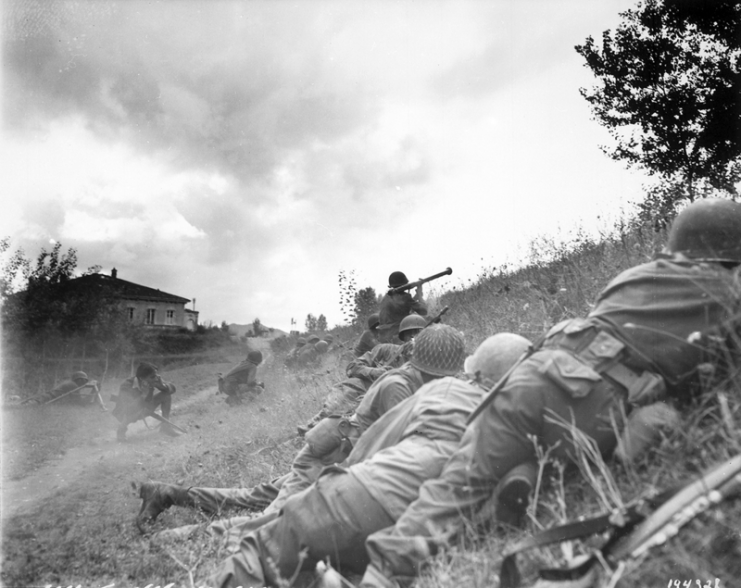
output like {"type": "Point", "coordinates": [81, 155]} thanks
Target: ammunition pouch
{"type": "Point", "coordinates": [586, 353]}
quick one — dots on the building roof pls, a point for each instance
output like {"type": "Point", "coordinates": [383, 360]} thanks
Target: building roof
{"type": "Point", "coordinates": [126, 290]}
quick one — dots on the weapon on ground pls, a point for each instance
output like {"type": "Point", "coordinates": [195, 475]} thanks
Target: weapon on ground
{"type": "Point", "coordinates": [643, 525]}
{"type": "Point", "coordinates": [410, 285]}
{"type": "Point", "coordinates": [164, 420]}
{"type": "Point", "coordinates": [70, 392]}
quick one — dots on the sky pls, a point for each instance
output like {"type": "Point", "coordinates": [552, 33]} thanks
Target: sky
{"type": "Point", "coordinates": [243, 154]}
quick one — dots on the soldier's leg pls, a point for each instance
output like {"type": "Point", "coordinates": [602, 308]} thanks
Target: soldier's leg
{"type": "Point", "coordinates": [157, 497]}
{"type": "Point", "coordinates": [331, 520]}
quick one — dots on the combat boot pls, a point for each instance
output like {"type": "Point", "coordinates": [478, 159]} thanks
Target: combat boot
{"type": "Point", "coordinates": [157, 497]}
{"type": "Point", "coordinates": [513, 494]}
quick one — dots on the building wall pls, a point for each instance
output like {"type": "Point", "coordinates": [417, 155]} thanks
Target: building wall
{"type": "Point", "coordinates": [141, 309]}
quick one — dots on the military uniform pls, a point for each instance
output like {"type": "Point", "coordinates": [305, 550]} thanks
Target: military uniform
{"type": "Point", "coordinates": [641, 342]}
{"type": "Point", "coordinates": [392, 310]}
{"type": "Point", "coordinates": [135, 400]}
{"type": "Point", "coordinates": [333, 517]}
{"type": "Point", "coordinates": [241, 378]}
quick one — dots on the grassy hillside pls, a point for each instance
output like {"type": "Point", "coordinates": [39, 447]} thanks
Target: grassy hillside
{"type": "Point", "coordinates": [79, 529]}
{"type": "Point", "coordinates": [562, 281]}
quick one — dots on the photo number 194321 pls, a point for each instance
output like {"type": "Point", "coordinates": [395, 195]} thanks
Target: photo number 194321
{"type": "Point", "coordinates": [693, 584]}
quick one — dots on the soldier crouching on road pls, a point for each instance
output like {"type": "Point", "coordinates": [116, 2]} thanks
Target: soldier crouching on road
{"type": "Point", "coordinates": [242, 379]}
{"type": "Point", "coordinates": [139, 396]}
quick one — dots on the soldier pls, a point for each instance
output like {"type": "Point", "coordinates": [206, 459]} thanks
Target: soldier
{"type": "Point", "coordinates": [79, 389]}
{"type": "Point", "coordinates": [395, 306]}
{"type": "Point", "coordinates": [332, 518]}
{"type": "Point", "coordinates": [139, 396]}
{"type": "Point", "coordinates": [293, 354]}
{"type": "Point", "coordinates": [651, 328]}
{"type": "Point", "coordinates": [439, 352]}
{"type": "Point", "coordinates": [369, 339]}
{"type": "Point", "coordinates": [308, 354]}
{"type": "Point", "coordinates": [242, 379]}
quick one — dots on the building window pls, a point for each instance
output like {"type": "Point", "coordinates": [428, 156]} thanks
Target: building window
{"type": "Point", "coordinates": [170, 317]}
{"type": "Point", "coordinates": [150, 316]}
{"type": "Point", "coordinates": [130, 313]}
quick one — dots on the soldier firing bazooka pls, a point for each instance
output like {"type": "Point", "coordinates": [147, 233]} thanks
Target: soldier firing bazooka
{"type": "Point", "coordinates": [241, 380]}
{"type": "Point", "coordinates": [332, 518]}
{"type": "Point", "coordinates": [395, 305]}
{"type": "Point", "coordinates": [641, 347]}
{"type": "Point", "coordinates": [438, 352]}
{"type": "Point", "coordinates": [79, 390]}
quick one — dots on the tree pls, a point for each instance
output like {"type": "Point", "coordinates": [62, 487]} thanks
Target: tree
{"type": "Point", "coordinates": [670, 94]}
{"type": "Point", "coordinates": [321, 323]}
{"type": "Point", "coordinates": [366, 303]}
{"type": "Point", "coordinates": [310, 323]}
{"type": "Point", "coordinates": [46, 313]}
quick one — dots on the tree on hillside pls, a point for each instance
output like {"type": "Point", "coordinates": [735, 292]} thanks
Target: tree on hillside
{"type": "Point", "coordinates": [670, 94]}
{"type": "Point", "coordinates": [366, 303]}
{"type": "Point", "coordinates": [310, 323]}
{"type": "Point", "coordinates": [321, 323]}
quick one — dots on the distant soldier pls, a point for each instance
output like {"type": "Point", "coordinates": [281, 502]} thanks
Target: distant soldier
{"type": "Point", "coordinates": [79, 389]}
{"type": "Point", "coordinates": [369, 339]}
{"type": "Point", "coordinates": [242, 379]}
{"type": "Point", "coordinates": [395, 306]}
{"type": "Point", "coordinates": [309, 353]}
{"type": "Point", "coordinates": [139, 396]}
{"type": "Point", "coordinates": [292, 356]}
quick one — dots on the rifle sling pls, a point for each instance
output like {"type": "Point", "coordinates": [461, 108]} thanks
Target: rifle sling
{"type": "Point", "coordinates": [509, 575]}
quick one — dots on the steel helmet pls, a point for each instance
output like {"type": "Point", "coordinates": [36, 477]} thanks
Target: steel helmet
{"type": "Point", "coordinates": [439, 350]}
{"type": "Point", "coordinates": [412, 322]}
{"type": "Point", "coordinates": [300, 342]}
{"type": "Point", "coordinates": [312, 339]}
{"type": "Point", "coordinates": [79, 376]}
{"type": "Point", "coordinates": [397, 279]}
{"type": "Point", "coordinates": [374, 320]}
{"type": "Point", "coordinates": [255, 357]}
{"type": "Point", "coordinates": [493, 358]}
{"type": "Point", "coordinates": [708, 230]}
{"type": "Point", "coordinates": [329, 337]}
{"type": "Point", "coordinates": [321, 346]}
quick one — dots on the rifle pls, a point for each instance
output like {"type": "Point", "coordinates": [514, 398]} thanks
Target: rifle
{"type": "Point", "coordinates": [164, 420]}
{"type": "Point", "coordinates": [437, 318]}
{"type": "Point", "coordinates": [410, 285]}
{"type": "Point", "coordinates": [635, 530]}
{"type": "Point", "coordinates": [70, 392]}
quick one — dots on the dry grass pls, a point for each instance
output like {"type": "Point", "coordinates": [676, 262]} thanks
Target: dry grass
{"type": "Point", "coordinates": [84, 534]}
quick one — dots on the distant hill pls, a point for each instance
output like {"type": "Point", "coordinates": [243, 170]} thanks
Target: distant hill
{"type": "Point", "coordinates": [241, 330]}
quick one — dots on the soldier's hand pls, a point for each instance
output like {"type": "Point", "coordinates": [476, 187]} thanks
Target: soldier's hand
{"type": "Point", "coordinates": [418, 292]}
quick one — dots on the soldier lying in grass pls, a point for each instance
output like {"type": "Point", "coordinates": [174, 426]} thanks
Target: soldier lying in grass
{"type": "Point", "coordinates": [650, 330]}
{"type": "Point", "coordinates": [438, 352]}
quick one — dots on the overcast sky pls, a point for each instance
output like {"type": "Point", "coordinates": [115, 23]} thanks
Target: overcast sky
{"type": "Point", "coordinates": [244, 153]}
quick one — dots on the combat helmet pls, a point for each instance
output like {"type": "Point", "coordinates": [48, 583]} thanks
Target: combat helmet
{"type": "Point", "coordinates": [439, 350]}
{"type": "Point", "coordinates": [255, 357]}
{"type": "Point", "coordinates": [412, 322]}
{"type": "Point", "coordinates": [321, 346]}
{"type": "Point", "coordinates": [300, 342]}
{"type": "Point", "coordinates": [708, 230]}
{"type": "Point", "coordinates": [493, 358]}
{"type": "Point", "coordinates": [311, 339]}
{"type": "Point", "coordinates": [79, 376]}
{"type": "Point", "coordinates": [374, 320]}
{"type": "Point", "coordinates": [397, 279]}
